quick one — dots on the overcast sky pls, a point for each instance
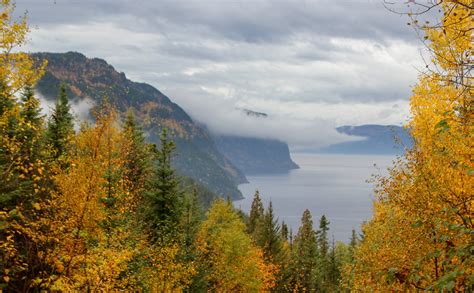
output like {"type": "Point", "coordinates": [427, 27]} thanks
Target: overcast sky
{"type": "Point", "coordinates": [311, 65]}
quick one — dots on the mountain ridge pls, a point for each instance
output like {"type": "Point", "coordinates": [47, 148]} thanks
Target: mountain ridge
{"type": "Point", "coordinates": [377, 139]}
{"type": "Point", "coordinates": [93, 78]}
{"type": "Point", "coordinates": [255, 155]}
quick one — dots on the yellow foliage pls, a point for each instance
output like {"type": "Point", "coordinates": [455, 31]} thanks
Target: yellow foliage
{"type": "Point", "coordinates": [22, 238]}
{"type": "Point", "coordinates": [162, 271]}
{"type": "Point", "coordinates": [90, 203]}
{"type": "Point", "coordinates": [17, 69]}
{"type": "Point", "coordinates": [420, 236]}
{"type": "Point", "coordinates": [235, 264]}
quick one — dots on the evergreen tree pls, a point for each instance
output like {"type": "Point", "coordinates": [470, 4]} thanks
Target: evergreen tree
{"type": "Point", "coordinates": [31, 126]}
{"type": "Point", "coordinates": [323, 237]}
{"type": "Point", "coordinates": [60, 125]}
{"type": "Point", "coordinates": [7, 102]}
{"type": "Point", "coordinates": [137, 166]}
{"type": "Point", "coordinates": [192, 217]}
{"type": "Point", "coordinates": [24, 194]}
{"type": "Point", "coordinates": [256, 215]}
{"type": "Point", "coordinates": [290, 238]}
{"type": "Point", "coordinates": [9, 123]}
{"type": "Point", "coordinates": [322, 276]}
{"type": "Point", "coordinates": [305, 253]}
{"type": "Point", "coordinates": [333, 272]}
{"type": "Point", "coordinates": [8, 131]}
{"type": "Point", "coordinates": [31, 111]}
{"type": "Point", "coordinates": [284, 231]}
{"type": "Point", "coordinates": [353, 243]}
{"type": "Point", "coordinates": [17, 73]}
{"type": "Point", "coordinates": [114, 172]}
{"type": "Point", "coordinates": [354, 239]}
{"type": "Point", "coordinates": [275, 248]}
{"type": "Point", "coordinates": [20, 178]}
{"type": "Point", "coordinates": [270, 235]}
{"type": "Point", "coordinates": [163, 209]}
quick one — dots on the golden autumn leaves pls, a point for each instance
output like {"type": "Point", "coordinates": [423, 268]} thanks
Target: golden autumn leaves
{"type": "Point", "coordinates": [71, 203]}
{"type": "Point", "coordinates": [237, 264]}
{"type": "Point", "coordinates": [420, 236]}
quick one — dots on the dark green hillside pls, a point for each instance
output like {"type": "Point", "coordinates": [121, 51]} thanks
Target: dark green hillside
{"type": "Point", "coordinates": [197, 156]}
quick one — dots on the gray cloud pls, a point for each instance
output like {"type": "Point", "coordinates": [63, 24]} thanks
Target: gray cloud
{"type": "Point", "coordinates": [241, 20]}
{"type": "Point", "coordinates": [79, 108]}
{"type": "Point", "coordinates": [227, 118]}
{"type": "Point", "coordinates": [312, 64]}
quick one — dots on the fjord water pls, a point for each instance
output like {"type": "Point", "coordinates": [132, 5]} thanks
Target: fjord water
{"type": "Point", "coordinates": [329, 184]}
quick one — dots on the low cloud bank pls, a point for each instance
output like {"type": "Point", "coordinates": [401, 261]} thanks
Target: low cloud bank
{"type": "Point", "coordinates": [226, 117]}
{"type": "Point", "coordinates": [80, 108]}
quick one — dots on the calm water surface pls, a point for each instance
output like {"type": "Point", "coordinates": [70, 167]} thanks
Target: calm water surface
{"type": "Point", "coordinates": [333, 185]}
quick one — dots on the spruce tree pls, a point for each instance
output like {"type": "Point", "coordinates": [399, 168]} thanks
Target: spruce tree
{"type": "Point", "coordinates": [22, 181]}
{"type": "Point", "coordinates": [323, 236]}
{"type": "Point", "coordinates": [305, 253]}
{"type": "Point", "coordinates": [30, 110]}
{"type": "Point", "coordinates": [137, 165]}
{"type": "Point", "coordinates": [18, 136]}
{"type": "Point", "coordinates": [7, 102]}
{"type": "Point", "coordinates": [284, 231]}
{"type": "Point", "coordinates": [9, 126]}
{"type": "Point", "coordinates": [270, 235]}
{"type": "Point", "coordinates": [23, 194]}
{"type": "Point", "coordinates": [322, 276]}
{"type": "Point", "coordinates": [274, 250]}
{"type": "Point", "coordinates": [163, 198]}
{"type": "Point", "coordinates": [9, 130]}
{"type": "Point", "coordinates": [60, 125]}
{"type": "Point", "coordinates": [354, 239]}
{"type": "Point", "coordinates": [256, 215]}
{"type": "Point", "coordinates": [333, 272]}
{"type": "Point", "coordinates": [290, 238]}
{"type": "Point", "coordinates": [352, 244]}
{"type": "Point", "coordinates": [191, 219]}
{"type": "Point", "coordinates": [31, 126]}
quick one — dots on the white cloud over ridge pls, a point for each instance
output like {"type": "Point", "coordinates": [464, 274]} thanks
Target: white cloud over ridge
{"type": "Point", "coordinates": [303, 125]}
{"type": "Point", "coordinates": [311, 65]}
{"type": "Point", "coordinates": [80, 108]}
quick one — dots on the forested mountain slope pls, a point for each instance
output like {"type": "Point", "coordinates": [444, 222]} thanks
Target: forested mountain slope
{"type": "Point", "coordinates": [94, 79]}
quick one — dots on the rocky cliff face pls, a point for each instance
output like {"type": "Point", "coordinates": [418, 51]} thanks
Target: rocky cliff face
{"type": "Point", "coordinates": [92, 79]}
{"type": "Point", "coordinates": [256, 155]}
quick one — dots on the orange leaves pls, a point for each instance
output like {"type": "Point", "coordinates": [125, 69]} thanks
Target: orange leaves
{"type": "Point", "coordinates": [268, 271]}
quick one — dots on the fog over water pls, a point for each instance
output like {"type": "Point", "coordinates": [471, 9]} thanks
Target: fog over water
{"type": "Point", "coordinates": [333, 185]}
